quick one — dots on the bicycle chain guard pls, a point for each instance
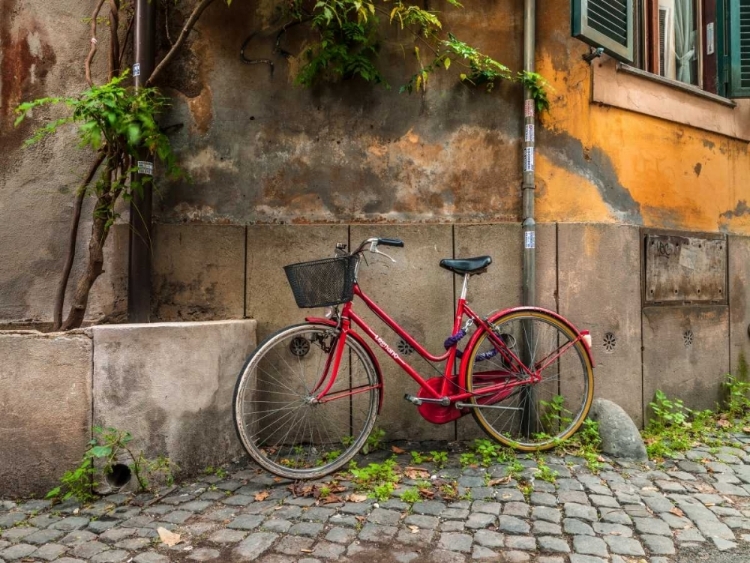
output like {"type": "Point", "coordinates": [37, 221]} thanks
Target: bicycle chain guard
{"type": "Point", "coordinates": [435, 413]}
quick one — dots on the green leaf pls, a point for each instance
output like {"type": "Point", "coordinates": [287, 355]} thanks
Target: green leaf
{"type": "Point", "coordinates": [54, 493]}
{"type": "Point", "coordinates": [446, 63]}
{"type": "Point", "coordinates": [100, 451]}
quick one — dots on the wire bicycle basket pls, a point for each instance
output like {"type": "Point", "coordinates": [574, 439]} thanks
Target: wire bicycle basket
{"type": "Point", "coordinates": [322, 283]}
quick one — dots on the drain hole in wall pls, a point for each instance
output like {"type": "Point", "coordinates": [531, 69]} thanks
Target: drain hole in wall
{"type": "Point", "coordinates": [404, 347]}
{"type": "Point", "coordinates": [610, 342]}
{"type": "Point", "coordinates": [687, 336]}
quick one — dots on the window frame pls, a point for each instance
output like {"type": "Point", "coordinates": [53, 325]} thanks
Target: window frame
{"type": "Point", "coordinates": [717, 73]}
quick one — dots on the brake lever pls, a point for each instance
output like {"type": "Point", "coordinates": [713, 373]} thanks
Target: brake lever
{"type": "Point", "coordinates": [376, 251]}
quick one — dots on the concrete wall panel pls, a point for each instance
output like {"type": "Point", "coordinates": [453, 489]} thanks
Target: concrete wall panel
{"type": "Point", "coordinates": [498, 288]}
{"type": "Point", "coordinates": [271, 247]}
{"type": "Point", "coordinates": [685, 353]}
{"type": "Point", "coordinates": [419, 295]}
{"type": "Point", "coordinates": [739, 301]}
{"type": "Point", "coordinates": [599, 290]}
{"type": "Point", "coordinates": [171, 386]}
{"type": "Point", "coordinates": [501, 286]}
{"type": "Point", "coordinates": [198, 272]}
{"type": "Point", "coordinates": [45, 401]}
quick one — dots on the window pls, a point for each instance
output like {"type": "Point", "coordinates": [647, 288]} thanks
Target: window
{"type": "Point", "coordinates": [704, 43]}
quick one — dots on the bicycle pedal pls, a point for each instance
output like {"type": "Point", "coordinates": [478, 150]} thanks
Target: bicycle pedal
{"type": "Point", "coordinates": [412, 399]}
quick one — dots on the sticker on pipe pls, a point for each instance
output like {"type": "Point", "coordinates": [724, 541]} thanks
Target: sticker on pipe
{"type": "Point", "coordinates": [137, 69]}
{"type": "Point", "coordinates": [145, 167]}
{"type": "Point", "coordinates": [528, 159]}
{"type": "Point", "coordinates": [529, 239]}
{"type": "Point", "coordinates": [529, 136]}
{"type": "Point", "coordinates": [528, 108]}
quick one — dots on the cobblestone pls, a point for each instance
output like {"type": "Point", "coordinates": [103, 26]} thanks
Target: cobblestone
{"type": "Point", "coordinates": [624, 513]}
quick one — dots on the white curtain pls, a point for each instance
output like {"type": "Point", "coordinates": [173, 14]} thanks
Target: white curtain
{"type": "Point", "coordinates": [684, 39]}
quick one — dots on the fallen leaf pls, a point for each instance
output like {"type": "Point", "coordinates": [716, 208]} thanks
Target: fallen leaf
{"type": "Point", "coordinates": [263, 495]}
{"type": "Point", "coordinates": [168, 538]}
{"type": "Point", "coordinates": [416, 473]}
{"type": "Point", "coordinates": [746, 429]}
{"type": "Point", "coordinates": [304, 550]}
{"type": "Point", "coordinates": [331, 498]}
{"type": "Point", "coordinates": [397, 450]}
{"type": "Point", "coordinates": [500, 481]}
{"type": "Point", "coordinates": [277, 479]}
{"type": "Point", "coordinates": [354, 497]}
{"type": "Point", "coordinates": [414, 529]}
{"type": "Point", "coordinates": [723, 423]}
{"type": "Point", "coordinates": [427, 493]}
{"type": "Point", "coordinates": [677, 512]}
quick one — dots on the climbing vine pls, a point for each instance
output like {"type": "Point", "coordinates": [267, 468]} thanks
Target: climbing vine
{"type": "Point", "coordinates": [348, 41]}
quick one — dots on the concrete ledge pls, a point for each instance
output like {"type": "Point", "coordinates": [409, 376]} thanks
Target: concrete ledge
{"type": "Point", "coordinates": [171, 386]}
{"type": "Point", "coordinates": [45, 408]}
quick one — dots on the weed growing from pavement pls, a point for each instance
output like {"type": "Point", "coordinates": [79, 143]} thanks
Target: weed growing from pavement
{"type": "Point", "coordinates": [440, 459]}
{"type": "Point", "coordinates": [675, 428]}
{"type": "Point", "coordinates": [219, 472]}
{"type": "Point", "coordinates": [545, 472]}
{"type": "Point", "coordinates": [104, 450]}
{"type": "Point", "coordinates": [411, 496]}
{"type": "Point", "coordinates": [417, 458]}
{"type": "Point", "coordinates": [374, 441]}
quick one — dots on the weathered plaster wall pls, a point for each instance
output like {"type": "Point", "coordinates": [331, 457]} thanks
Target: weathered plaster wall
{"type": "Point", "coordinates": [42, 47]}
{"type": "Point", "coordinates": [603, 163]}
{"type": "Point", "coordinates": [261, 150]}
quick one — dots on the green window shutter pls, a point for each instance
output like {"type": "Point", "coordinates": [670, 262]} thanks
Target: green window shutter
{"type": "Point", "coordinates": [607, 24]}
{"type": "Point", "coordinates": [739, 49]}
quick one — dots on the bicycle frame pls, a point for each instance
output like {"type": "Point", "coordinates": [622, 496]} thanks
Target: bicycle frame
{"type": "Point", "coordinates": [439, 393]}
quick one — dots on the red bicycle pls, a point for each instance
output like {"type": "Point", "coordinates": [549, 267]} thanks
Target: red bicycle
{"type": "Point", "coordinates": [308, 396]}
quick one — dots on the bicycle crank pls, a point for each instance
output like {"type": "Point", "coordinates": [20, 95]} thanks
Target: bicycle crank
{"type": "Point", "coordinates": [461, 405]}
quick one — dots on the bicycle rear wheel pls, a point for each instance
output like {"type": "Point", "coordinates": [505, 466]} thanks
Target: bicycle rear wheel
{"type": "Point", "coordinates": [281, 424]}
{"type": "Point", "coordinates": [531, 416]}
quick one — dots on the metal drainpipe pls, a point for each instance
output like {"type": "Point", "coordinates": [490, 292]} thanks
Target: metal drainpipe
{"type": "Point", "coordinates": [529, 225]}
{"type": "Point", "coordinates": [529, 414]}
{"type": "Point", "coordinates": [139, 265]}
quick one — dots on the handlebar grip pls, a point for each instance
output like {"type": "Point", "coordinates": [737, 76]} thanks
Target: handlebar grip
{"type": "Point", "coordinates": [391, 242]}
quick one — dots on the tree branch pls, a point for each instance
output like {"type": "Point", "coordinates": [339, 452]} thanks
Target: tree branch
{"type": "Point", "coordinates": [186, 29]}
{"type": "Point", "coordinates": [62, 286]}
{"type": "Point", "coordinates": [92, 50]}
{"type": "Point", "coordinates": [114, 45]}
{"type": "Point", "coordinates": [125, 40]}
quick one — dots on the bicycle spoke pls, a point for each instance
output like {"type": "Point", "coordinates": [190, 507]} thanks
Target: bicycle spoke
{"type": "Point", "coordinates": [282, 427]}
{"type": "Point", "coordinates": [534, 425]}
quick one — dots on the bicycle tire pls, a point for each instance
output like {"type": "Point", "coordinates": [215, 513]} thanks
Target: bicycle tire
{"type": "Point", "coordinates": [536, 416]}
{"type": "Point", "coordinates": [300, 438]}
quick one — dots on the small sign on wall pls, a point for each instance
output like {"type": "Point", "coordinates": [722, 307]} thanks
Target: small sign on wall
{"type": "Point", "coordinates": [685, 269]}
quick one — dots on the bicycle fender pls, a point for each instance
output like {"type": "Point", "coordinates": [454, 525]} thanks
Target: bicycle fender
{"type": "Point", "coordinates": [498, 314]}
{"type": "Point", "coordinates": [365, 346]}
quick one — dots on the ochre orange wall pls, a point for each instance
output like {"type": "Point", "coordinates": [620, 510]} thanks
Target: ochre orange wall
{"type": "Point", "coordinates": [605, 164]}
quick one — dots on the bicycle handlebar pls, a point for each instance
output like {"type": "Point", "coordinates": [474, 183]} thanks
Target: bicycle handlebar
{"type": "Point", "coordinates": [391, 242]}
{"type": "Point", "coordinates": [373, 243]}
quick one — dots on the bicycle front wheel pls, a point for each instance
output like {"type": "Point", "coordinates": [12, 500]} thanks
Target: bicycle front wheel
{"type": "Point", "coordinates": [515, 411]}
{"type": "Point", "coordinates": [279, 419]}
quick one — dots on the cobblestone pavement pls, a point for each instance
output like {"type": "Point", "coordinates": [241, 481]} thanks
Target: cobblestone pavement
{"type": "Point", "coordinates": [692, 509]}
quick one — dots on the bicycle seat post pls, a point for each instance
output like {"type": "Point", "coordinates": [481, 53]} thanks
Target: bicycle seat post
{"type": "Point", "coordinates": [465, 286]}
